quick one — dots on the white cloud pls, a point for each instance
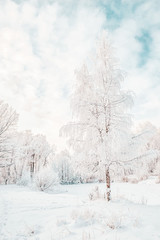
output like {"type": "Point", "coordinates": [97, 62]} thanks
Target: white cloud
{"type": "Point", "coordinates": [142, 79]}
{"type": "Point", "coordinates": [42, 42]}
{"type": "Point", "coordinates": [40, 48]}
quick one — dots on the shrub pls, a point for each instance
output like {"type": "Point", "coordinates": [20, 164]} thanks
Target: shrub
{"type": "Point", "coordinates": [95, 194]}
{"type": "Point", "coordinates": [45, 179]}
{"type": "Point", "coordinates": [25, 179]}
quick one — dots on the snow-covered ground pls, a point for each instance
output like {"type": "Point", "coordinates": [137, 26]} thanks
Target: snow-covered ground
{"type": "Point", "coordinates": [133, 213]}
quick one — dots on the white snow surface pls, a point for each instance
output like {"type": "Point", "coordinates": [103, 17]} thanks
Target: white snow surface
{"type": "Point", "coordinates": [67, 213]}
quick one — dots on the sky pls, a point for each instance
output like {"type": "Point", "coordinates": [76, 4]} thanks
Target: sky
{"type": "Point", "coordinates": [42, 42]}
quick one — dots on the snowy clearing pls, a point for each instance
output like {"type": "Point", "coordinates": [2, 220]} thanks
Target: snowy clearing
{"type": "Point", "coordinates": [133, 213]}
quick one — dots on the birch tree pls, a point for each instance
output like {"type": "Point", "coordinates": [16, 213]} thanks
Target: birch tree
{"type": "Point", "coordinates": [100, 112]}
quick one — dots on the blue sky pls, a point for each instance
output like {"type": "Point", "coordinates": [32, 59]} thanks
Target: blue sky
{"type": "Point", "coordinates": [44, 41]}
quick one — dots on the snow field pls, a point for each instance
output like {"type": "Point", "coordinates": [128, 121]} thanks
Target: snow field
{"type": "Point", "coordinates": [69, 214]}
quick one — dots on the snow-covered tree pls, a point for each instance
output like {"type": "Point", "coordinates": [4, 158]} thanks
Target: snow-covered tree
{"type": "Point", "coordinates": [152, 144]}
{"type": "Point", "coordinates": [8, 122]}
{"type": "Point", "coordinates": [22, 154]}
{"type": "Point", "coordinates": [155, 144]}
{"type": "Point", "coordinates": [99, 108]}
{"type": "Point", "coordinates": [31, 153]}
{"type": "Point", "coordinates": [64, 166]}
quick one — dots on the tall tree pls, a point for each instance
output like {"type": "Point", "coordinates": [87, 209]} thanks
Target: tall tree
{"type": "Point", "coordinates": [100, 117]}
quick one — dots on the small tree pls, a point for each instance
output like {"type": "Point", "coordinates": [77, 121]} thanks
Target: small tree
{"type": "Point", "coordinates": [62, 164]}
{"type": "Point", "coordinates": [31, 153]}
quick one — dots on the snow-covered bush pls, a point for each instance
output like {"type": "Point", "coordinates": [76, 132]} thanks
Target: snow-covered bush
{"type": "Point", "coordinates": [83, 217]}
{"type": "Point", "coordinates": [143, 200]}
{"type": "Point", "coordinates": [46, 178]}
{"type": "Point", "coordinates": [115, 221]}
{"type": "Point", "coordinates": [25, 179]}
{"type": "Point", "coordinates": [96, 194]}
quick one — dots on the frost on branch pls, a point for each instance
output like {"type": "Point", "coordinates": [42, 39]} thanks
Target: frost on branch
{"type": "Point", "coordinates": [100, 112]}
{"type": "Point", "coordinates": [100, 132]}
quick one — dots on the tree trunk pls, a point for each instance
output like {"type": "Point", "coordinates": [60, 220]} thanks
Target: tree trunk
{"type": "Point", "coordinates": [32, 169]}
{"type": "Point", "coordinates": [108, 184]}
